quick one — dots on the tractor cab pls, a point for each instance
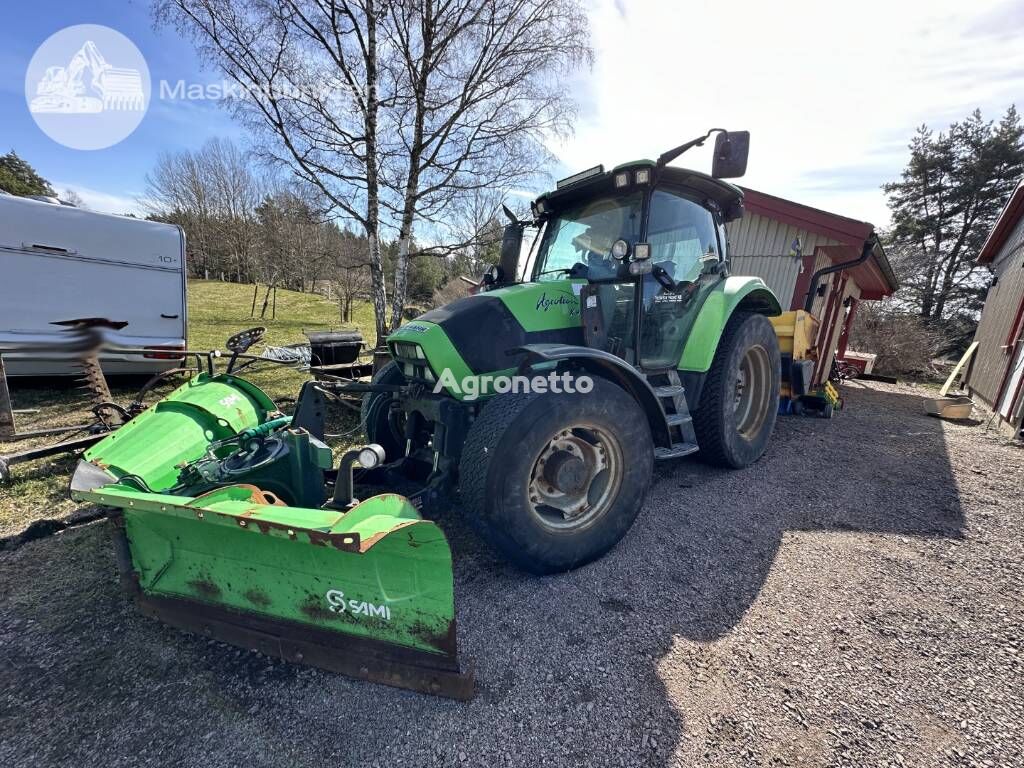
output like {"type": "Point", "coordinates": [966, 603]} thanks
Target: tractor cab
{"type": "Point", "coordinates": [641, 245]}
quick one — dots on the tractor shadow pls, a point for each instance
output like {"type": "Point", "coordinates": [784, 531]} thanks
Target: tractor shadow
{"type": "Point", "coordinates": [587, 650]}
{"type": "Point", "coordinates": [616, 663]}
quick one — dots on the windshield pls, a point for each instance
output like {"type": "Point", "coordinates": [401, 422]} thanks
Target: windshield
{"type": "Point", "coordinates": [584, 235]}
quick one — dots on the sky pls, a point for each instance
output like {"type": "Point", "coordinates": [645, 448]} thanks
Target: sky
{"type": "Point", "coordinates": [830, 92]}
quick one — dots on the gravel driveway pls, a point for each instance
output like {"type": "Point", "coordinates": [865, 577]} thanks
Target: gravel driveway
{"type": "Point", "coordinates": [853, 599]}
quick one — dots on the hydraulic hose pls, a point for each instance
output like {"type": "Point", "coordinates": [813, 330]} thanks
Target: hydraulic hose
{"type": "Point", "coordinates": [262, 430]}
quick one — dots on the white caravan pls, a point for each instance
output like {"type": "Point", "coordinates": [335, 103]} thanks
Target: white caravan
{"type": "Point", "coordinates": [61, 263]}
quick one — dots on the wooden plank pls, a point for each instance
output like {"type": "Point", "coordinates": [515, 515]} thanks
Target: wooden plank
{"type": "Point", "coordinates": [959, 367]}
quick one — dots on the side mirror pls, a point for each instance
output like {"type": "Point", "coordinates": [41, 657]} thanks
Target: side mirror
{"type": "Point", "coordinates": [511, 245]}
{"type": "Point", "coordinates": [494, 277]}
{"type": "Point", "coordinates": [731, 150]}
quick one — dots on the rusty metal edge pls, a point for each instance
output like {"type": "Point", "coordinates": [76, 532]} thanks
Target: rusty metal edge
{"type": "Point", "coordinates": [360, 658]}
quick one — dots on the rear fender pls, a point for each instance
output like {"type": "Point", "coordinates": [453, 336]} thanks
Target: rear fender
{"type": "Point", "coordinates": [599, 363]}
{"type": "Point", "coordinates": [749, 294]}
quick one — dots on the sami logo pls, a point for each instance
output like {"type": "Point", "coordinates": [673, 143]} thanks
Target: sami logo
{"type": "Point", "coordinates": [337, 602]}
{"type": "Point", "coordinates": [415, 328]}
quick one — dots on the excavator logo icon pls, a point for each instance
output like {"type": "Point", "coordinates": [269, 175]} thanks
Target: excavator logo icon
{"type": "Point", "coordinates": [64, 90]}
{"type": "Point", "coordinates": [80, 97]}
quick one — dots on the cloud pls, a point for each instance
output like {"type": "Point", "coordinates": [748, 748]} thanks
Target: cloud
{"type": "Point", "coordinates": [103, 202]}
{"type": "Point", "coordinates": [831, 93]}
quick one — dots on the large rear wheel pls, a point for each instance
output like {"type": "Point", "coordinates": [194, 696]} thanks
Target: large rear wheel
{"type": "Point", "coordinates": [740, 399]}
{"type": "Point", "coordinates": [554, 481]}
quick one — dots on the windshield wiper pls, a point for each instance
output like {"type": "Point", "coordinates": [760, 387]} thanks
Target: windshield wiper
{"type": "Point", "coordinates": [553, 271]}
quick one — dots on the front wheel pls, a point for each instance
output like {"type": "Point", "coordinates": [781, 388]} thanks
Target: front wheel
{"type": "Point", "coordinates": [381, 422]}
{"type": "Point", "coordinates": [554, 481]}
{"type": "Point", "coordinates": [740, 399]}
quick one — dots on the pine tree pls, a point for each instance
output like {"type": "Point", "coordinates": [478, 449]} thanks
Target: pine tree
{"type": "Point", "coordinates": [19, 178]}
{"type": "Point", "coordinates": [949, 197]}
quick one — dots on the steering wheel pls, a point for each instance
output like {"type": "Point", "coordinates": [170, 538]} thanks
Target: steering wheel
{"type": "Point", "coordinates": [242, 340]}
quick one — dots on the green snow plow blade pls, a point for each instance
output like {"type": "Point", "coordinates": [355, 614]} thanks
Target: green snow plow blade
{"type": "Point", "coordinates": [365, 591]}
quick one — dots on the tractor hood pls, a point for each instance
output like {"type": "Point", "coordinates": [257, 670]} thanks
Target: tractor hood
{"type": "Point", "coordinates": [474, 335]}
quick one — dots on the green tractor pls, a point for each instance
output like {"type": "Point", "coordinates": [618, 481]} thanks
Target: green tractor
{"type": "Point", "coordinates": [543, 402]}
{"type": "Point", "coordinates": [626, 293]}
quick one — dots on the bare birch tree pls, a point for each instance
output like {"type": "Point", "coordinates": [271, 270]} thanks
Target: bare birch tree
{"type": "Point", "coordinates": [394, 108]}
{"type": "Point", "coordinates": [479, 85]}
{"type": "Point", "coordinates": [308, 74]}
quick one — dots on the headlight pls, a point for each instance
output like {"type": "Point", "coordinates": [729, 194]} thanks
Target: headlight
{"type": "Point", "coordinates": [620, 249]}
{"type": "Point", "coordinates": [371, 456]}
{"type": "Point", "coordinates": [409, 351]}
{"type": "Point", "coordinates": [621, 180]}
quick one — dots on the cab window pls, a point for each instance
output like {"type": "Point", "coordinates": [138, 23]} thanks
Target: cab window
{"type": "Point", "coordinates": [680, 231]}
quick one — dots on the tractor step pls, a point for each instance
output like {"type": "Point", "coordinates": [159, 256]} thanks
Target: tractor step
{"type": "Point", "coordinates": [677, 419]}
{"type": "Point", "coordinates": [671, 396]}
{"type": "Point", "coordinates": [677, 451]}
{"type": "Point", "coordinates": [669, 391]}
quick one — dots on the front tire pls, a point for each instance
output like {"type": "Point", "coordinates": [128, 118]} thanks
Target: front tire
{"type": "Point", "coordinates": [554, 481]}
{"type": "Point", "coordinates": [379, 421]}
{"type": "Point", "coordinates": [740, 399]}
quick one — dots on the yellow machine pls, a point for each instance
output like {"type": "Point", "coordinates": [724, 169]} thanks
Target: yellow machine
{"type": "Point", "coordinates": [798, 334]}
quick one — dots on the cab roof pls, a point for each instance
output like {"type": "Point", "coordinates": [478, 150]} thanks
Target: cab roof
{"type": "Point", "coordinates": [601, 182]}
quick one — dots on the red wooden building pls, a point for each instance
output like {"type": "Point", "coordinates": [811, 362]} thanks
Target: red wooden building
{"type": "Point", "coordinates": [787, 243]}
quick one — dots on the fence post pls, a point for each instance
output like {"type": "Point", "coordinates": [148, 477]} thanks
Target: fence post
{"type": "Point", "coordinates": [6, 409]}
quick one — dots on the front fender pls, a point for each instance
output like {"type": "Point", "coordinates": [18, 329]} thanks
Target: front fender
{"type": "Point", "coordinates": [608, 366]}
{"type": "Point", "coordinates": [736, 292]}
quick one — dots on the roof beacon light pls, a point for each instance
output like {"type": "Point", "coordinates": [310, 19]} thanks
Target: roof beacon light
{"type": "Point", "coordinates": [576, 178]}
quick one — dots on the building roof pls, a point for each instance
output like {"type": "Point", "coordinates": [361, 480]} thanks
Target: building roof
{"type": "Point", "coordinates": [875, 276]}
{"type": "Point", "coordinates": [1005, 224]}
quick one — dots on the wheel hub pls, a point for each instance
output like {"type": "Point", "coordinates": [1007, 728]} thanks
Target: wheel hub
{"type": "Point", "coordinates": [575, 478]}
{"type": "Point", "coordinates": [751, 401]}
{"type": "Point", "coordinates": [566, 472]}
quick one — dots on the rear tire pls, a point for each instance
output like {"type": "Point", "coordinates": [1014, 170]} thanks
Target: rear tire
{"type": "Point", "coordinates": [375, 413]}
{"type": "Point", "coordinates": [740, 399]}
{"type": "Point", "coordinates": [592, 453]}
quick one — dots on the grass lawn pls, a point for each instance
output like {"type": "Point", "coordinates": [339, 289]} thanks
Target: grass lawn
{"type": "Point", "coordinates": [38, 489]}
